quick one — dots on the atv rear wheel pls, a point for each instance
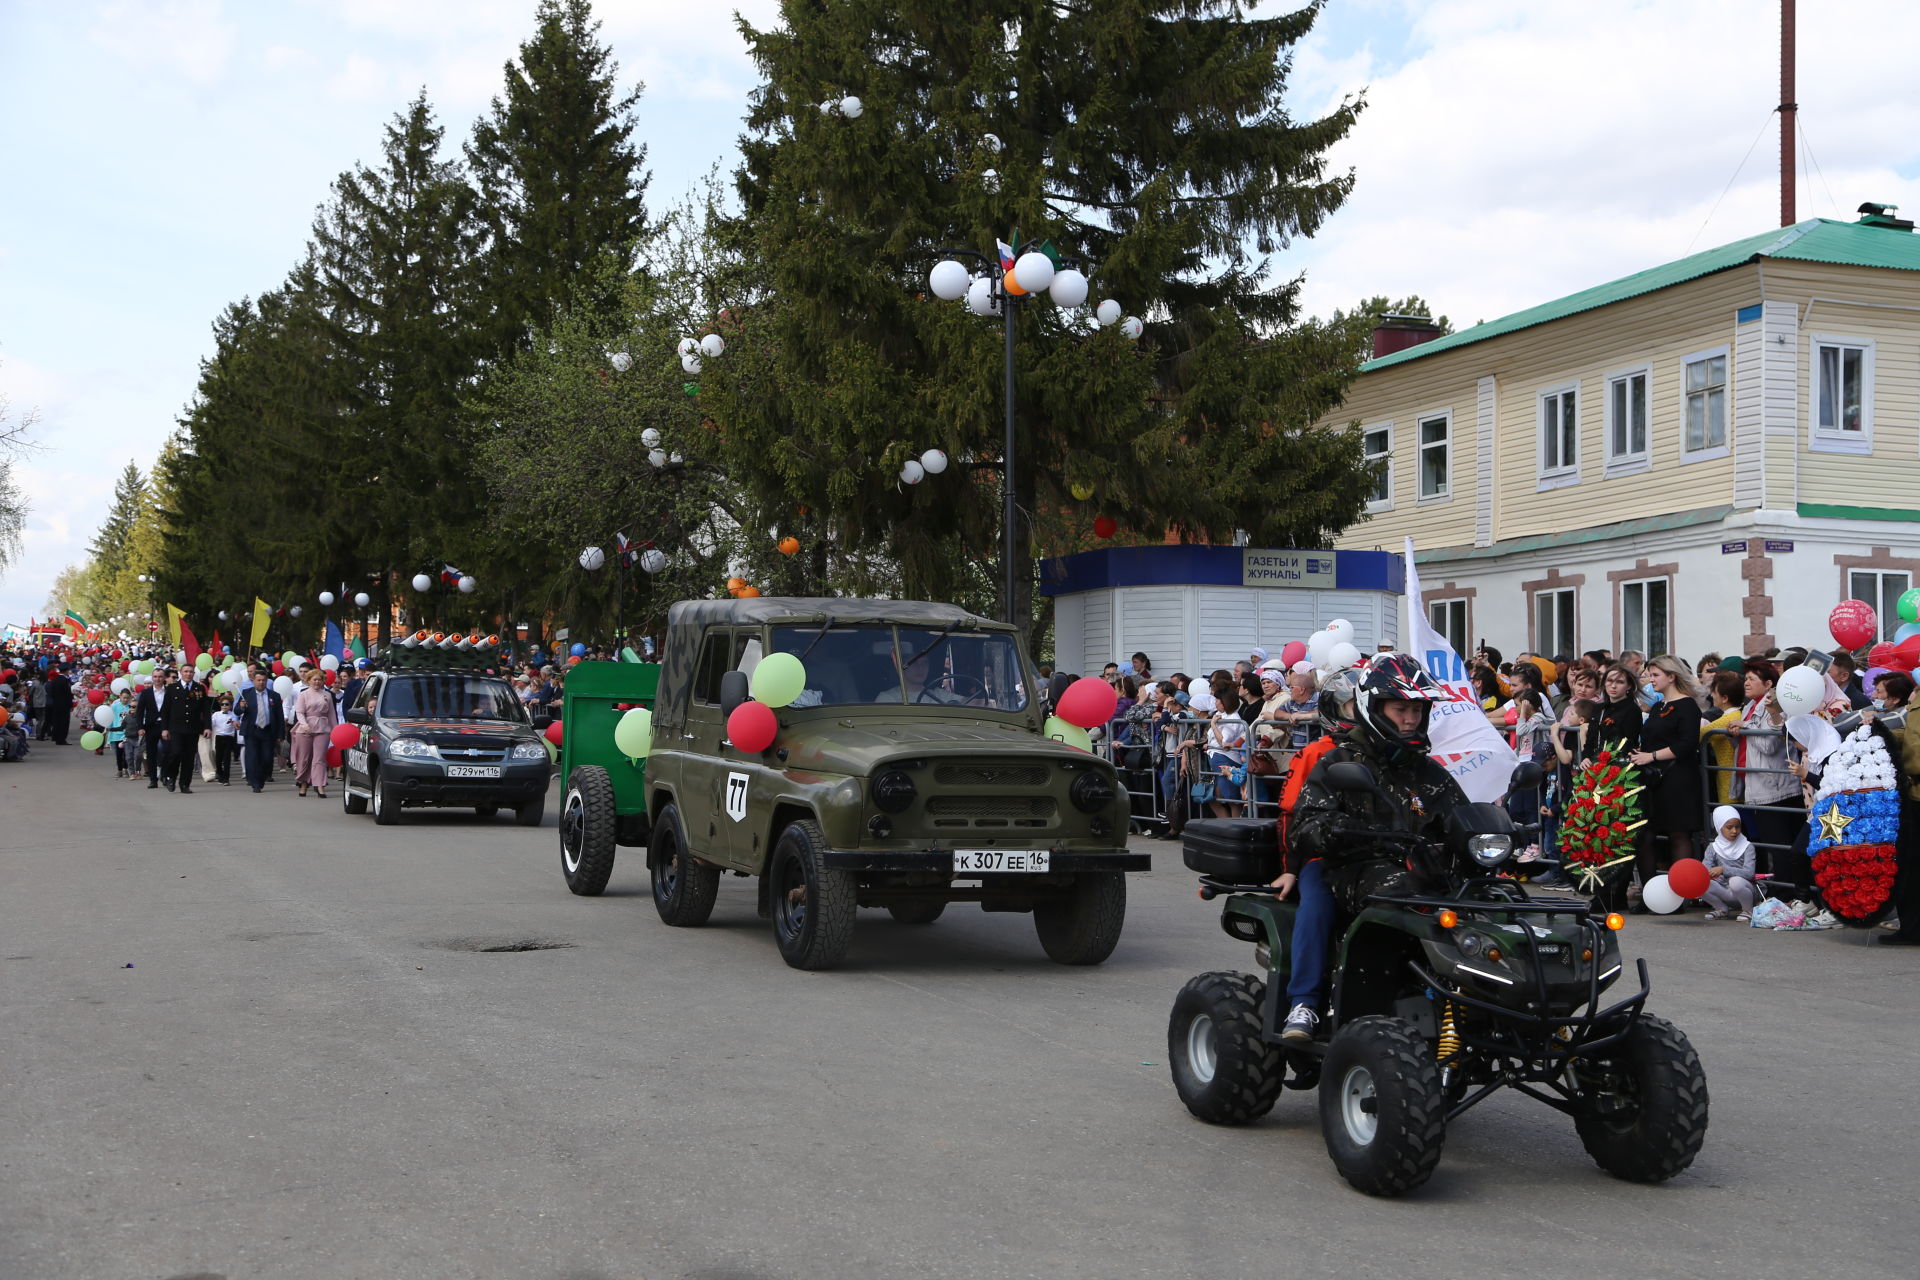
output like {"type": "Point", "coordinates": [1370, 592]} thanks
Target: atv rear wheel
{"type": "Point", "coordinates": [1222, 1069]}
{"type": "Point", "coordinates": [1654, 1094]}
{"type": "Point", "coordinates": [1381, 1110]}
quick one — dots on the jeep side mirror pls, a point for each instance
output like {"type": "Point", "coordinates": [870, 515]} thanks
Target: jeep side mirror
{"type": "Point", "coordinates": [1527, 776]}
{"type": "Point", "coordinates": [733, 691]}
{"type": "Point", "coordinates": [1351, 775]}
{"type": "Point", "coordinates": [358, 715]}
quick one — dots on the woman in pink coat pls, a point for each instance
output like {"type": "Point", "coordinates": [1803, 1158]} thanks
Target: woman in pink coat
{"type": "Point", "coordinates": [312, 717]}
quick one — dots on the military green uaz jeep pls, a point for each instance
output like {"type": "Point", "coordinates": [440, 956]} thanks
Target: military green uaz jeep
{"type": "Point", "coordinates": [910, 773]}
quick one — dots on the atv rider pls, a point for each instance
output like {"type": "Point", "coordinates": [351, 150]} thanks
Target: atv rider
{"type": "Point", "coordinates": [1387, 731]}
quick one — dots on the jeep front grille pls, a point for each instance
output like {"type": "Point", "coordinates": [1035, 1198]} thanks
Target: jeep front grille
{"type": "Point", "coordinates": [991, 775]}
{"type": "Point", "coordinates": [991, 811]}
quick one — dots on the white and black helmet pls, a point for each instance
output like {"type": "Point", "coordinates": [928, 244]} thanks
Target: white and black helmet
{"type": "Point", "coordinates": [1397, 677]}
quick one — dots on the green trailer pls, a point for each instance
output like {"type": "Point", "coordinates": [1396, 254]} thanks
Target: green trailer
{"type": "Point", "coordinates": [606, 793]}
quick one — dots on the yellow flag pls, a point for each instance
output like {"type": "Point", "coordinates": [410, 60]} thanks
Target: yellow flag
{"type": "Point", "coordinates": [173, 625]}
{"type": "Point", "coordinates": [262, 619]}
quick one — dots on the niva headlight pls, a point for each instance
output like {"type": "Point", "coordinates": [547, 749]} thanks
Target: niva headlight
{"type": "Point", "coordinates": [411, 747]}
{"type": "Point", "coordinates": [1490, 851]}
{"type": "Point", "coordinates": [529, 751]}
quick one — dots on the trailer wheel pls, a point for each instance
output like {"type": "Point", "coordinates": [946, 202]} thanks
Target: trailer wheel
{"type": "Point", "coordinates": [587, 821]}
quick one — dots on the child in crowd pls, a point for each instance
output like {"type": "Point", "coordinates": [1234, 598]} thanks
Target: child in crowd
{"type": "Point", "coordinates": [1532, 740]}
{"type": "Point", "coordinates": [224, 741]}
{"type": "Point", "coordinates": [1731, 861]}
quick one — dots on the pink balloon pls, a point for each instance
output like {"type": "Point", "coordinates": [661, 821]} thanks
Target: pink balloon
{"type": "Point", "coordinates": [1087, 703]}
{"type": "Point", "coordinates": [345, 736]}
{"type": "Point", "coordinates": [1293, 651]}
{"type": "Point", "coordinates": [752, 726]}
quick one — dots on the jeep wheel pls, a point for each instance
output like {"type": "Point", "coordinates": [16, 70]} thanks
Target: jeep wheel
{"type": "Point", "coordinates": [1381, 1111]}
{"type": "Point", "coordinates": [683, 887]}
{"type": "Point", "coordinates": [1222, 1069]}
{"type": "Point", "coordinates": [916, 912]}
{"type": "Point", "coordinates": [1084, 926]}
{"type": "Point", "coordinates": [1650, 1104]}
{"type": "Point", "coordinates": [532, 813]}
{"type": "Point", "coordinates": [813, 906]}
{"type": "Point", "coordinates": [586, 831]}
{"type": "Point", "coordinates": [386, 808]}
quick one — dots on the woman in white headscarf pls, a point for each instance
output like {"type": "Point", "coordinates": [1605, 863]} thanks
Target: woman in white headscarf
{"type": "Point", "coordinates": [1732, 863]}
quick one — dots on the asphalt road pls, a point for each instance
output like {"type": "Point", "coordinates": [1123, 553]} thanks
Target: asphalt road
{"type": "Point", "coordinates": [249, 1036]}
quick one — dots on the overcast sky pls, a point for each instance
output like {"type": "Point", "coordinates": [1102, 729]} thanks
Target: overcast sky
{"type": "Point", "coordinates": [162, 158]}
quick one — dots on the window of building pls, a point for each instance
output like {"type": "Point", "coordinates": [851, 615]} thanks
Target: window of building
{"type": "Point", "coordinates": [1436, 456]}
{"type": "Point", "coordinates": [1560, 436]}
{"type": "Point", "coordinates": [1882, 590]}
{"type": "Point", "coordinates": [1553, 631]}
{"type": "Point", "coordinates": [1627, 447]}
{"type": "Point", "coordinates": [1449, 618]}
{"type": "Point", "coordinates": [1377, 445]}
{"type": "Point", "coordinates": [1644, 617]}
{"type": "Point", "coordinates": [1703, 414]}
{"type": "Point", "coordinates": [1842, 390]}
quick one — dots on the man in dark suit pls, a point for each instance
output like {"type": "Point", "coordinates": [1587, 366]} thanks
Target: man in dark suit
{"type": "Point", "coordinates": [148, 709]}
{"type": "Point", "coordinates": [182, 717]}
{"type": "Point", "coordinates": [262, 722]}
{"type": "Point", "coordinates": [59, 705]}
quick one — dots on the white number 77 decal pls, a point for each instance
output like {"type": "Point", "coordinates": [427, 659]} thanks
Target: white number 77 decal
{"type": "Point", "coordinates": [737, 796]}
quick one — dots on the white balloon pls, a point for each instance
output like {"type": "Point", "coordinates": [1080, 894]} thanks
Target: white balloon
{"type": "Point", "coordinates": [326, 598]}
{"type": "Point", "coordinates": [233, 678]}
{"type": "Point", "coordinates": [1800, 691]}
{"type": "Point", "coordinates": [1033, 272]}
{"type": "Point", "coordinates": [1107, 313]}
{"type": "Point", "coordinates": [143, 680]}
{"type": "Point", "coordinates": [1069, 288]}
{"type": "Point", "coordinates": [283, 685]}
{"type": "Point", "coordinates": [653, 560]}
{"type": "Point", "coordinates": [102, 717]}
{"type": "Point", "coordinates": [620, 361]}
{"type": "Point", "coordinates": [120, 684]}
{"type": "Point", "coordinates": [1132, 327]}
{"type": "Point", "coordinates": [1344, 654]}
{"type": "Point", "coordinates": [421, 582]}
{"type": "Point", "coordinates": [300, 664]}
{"type": "Point", "coordinates": [1659, 896]}
{"type": "Point", "coordinates": [912, 472]}
{"type": "Point", "coordinates": [361, 599]}
{"type": "Point", "coordinates": [980, 298]}
{"type": "Point", "coordinates": [658, 457]}
{"type": "Point", "coordinates": [467, 584]}
{"type": "Point", "coordinates": [180, 656]}
{"type": "Point", "coordinates": [933, 462]}
{"type": "Point", "coordinates": [1319, 648]}
{"type": "Point", "coordinates": [688, 346]}
{"type": "Point", "coordinates": [851, 107]}
{"type": "Point", "coordinates": [713, 345]}
{"type": "Point", "coordinates": [948, 280]}
{"type": "Point", "coordinates": [328, 662]}
{"type": "Point", "coordinates": [293, 612]}
{"type": "Point", "coordinates": [650, 438]}
{"type": "Point", "coordinates": [691, 363]}
{"type": "Point", "coordinates": [1342, 631]}
{"type": "Point", "coordinates": [592, 558]}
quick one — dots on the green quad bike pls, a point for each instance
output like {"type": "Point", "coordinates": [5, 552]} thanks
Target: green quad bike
{"type": "Point", "coordinates": [1438, 1001]}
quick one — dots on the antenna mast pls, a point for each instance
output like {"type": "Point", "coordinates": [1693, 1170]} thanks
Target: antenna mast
{"type": "Point", "coordinates": [1787, 109]}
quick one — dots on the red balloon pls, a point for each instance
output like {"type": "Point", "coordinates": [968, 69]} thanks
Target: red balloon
{"type": "Point", "coordinates": [1689, 878]}
{"type": "Point", "coordinates": [1853, 623]}
{"type": "Point", "coordinates": [1291, 652]}
{"type": "Point", "coordinates": [344, 736]}
{"type": "Point", "coordinates": [752, 726]}
{"type": "Point", "coordinates": [1878, 655]}
{"type": "Point", "coordinates": [1105, 527]}
{"type": "Point", "coordinates": [554, 732]}
{"type": "Point", "coordinates": [334, 756]}
{"type": "Point", "coordinates": [1087, 703]}
{"type": "Point", "coordinates": [1905, 655]}
{"type": "Point", "coordinates": [96, 696]}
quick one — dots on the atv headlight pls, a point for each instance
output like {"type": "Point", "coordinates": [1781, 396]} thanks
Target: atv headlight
{"type": "Point", "coordinates": [413, 747]}
{"type": "Point", "coordinates": [1490, 851]}
{"type": "Point", "coordinates": [893, 791]}
{"type": "Point", "coordinates": [1091, 792]}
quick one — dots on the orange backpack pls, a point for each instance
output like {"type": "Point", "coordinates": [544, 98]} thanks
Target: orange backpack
{"type": "Point", "coordinates": [1298, 772]}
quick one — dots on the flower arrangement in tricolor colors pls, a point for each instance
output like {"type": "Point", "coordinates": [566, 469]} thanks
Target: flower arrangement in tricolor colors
{"type": "Point", "coordinates": [1602, 814]}
{"type": "Point", "coordinates": [1854, 823]}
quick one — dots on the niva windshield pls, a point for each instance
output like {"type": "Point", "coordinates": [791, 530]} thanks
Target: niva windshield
{"type": "Point", "coordinates": [913, 665]}
{"type": "Point", "coordinates": [450, 697]}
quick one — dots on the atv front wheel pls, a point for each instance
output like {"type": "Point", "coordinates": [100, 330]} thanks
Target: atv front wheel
{"type": "Point", "coordinates": [1648, 1104]}
{"type": "Point", "coordinates": [1222, 1069]}
{"type": "Point", "coordinates": [1381, 1110]}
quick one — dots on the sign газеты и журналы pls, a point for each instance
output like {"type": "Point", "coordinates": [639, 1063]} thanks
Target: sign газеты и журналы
{"type": "Point", "coordinates": [1260, 568]}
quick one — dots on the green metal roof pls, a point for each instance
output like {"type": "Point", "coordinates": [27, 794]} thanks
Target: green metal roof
{"type": "Point", "coordinates": [1850, 244]}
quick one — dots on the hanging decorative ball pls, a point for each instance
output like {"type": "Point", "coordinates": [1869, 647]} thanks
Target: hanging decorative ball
{"type": "Point", "coordinates": [223, 617]}
{"type": "Point", "coordinates": [1069, 288]}
{"type": "Point", "coordinates": [713, 346]}
{"type": "Point", "coordinates": [933, 462]}
{"type": "Point", "coordinates": [851, 107]}
{"type": "Point", "coordinates": [912, 472]}
{"type": "Point", "coordinates": [1132, 327]}
{"type": "Point", "coordinates": [688, 346]}
{"type": "Point", "coordinates": [749, 593]}
{"type": "Point", "coordinates": [653, 560]}
{"type": "Point", "coordinates": [620, 361]}
{"type": "Point", "coordinates": [789, 545]}
{"type": "Point", "coordinates": [1105, 527]}
{"type": "Point", "coordinates": [1081, 492]}
{"type": "Point", "coordinates": [1033, 272]}
{"type": "Point", "coordinates": [421, 582]}
{"type": "Point", "coordinates": [658, 457]}
{"type": "Point", "coordinates": [948, 280]}
{"type": "Point", "coordinates": [1108, 312]}
{"type": "Point", "coordinates": [676, 458]}
{"type": "Point", "coordinates": [650, 438]}
{"type": "Point", "coordinates": [980, 299]}
{"type": "Point", "coordinates": [326, 599]}
{"type": "Point", "coordinates": [361, 599]}
{"type": "Point", "coordinates": [592, 558]}
{"type": "Point", "coordinates": [691, 363]}
{"type": "Point", "coordinates": [990, 180]}
{"type": "Point", "coordinates": [294, 611]}
{"type": "Point", "coordinates": [991, 141]}
{"type": "Point", "coordinates": [467, 584]}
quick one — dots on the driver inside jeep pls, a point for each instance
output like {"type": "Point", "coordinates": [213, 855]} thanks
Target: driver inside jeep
{"type": "Point", "coordinates": [925, 683]}
{"type": "Point", "coordinates": [1327, 856]}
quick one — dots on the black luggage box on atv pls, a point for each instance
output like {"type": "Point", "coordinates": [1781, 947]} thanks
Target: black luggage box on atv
{"type": "Point", "coordinates": [1235, 850]}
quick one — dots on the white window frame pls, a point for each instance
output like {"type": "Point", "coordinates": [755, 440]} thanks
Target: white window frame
{"type": "Point", "coordinates": [1567, 473]}
{"type": "Point", "coordinates": [1385, 502]}
{"type": "Point", "coordinates": [1889, 618]}
{"type": "Point", "coordinates": [1420, 455]}
{"type": "Point", "coordinates": [1726, 401]}
{"type": "Point", "coordinates": [1561, 644]}
{"type": "Point", "coordinates": [1643, 642]}
{"type": "Point", "coordinates": [1628, 463]}
{"type": "Point", "coordinates": [1828, 441]}
{"type": "Point", "coordinates": [1437, 611]}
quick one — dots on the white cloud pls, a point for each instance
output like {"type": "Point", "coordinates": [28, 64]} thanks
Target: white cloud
{"type": "Point", "coordinates": [192, 37]}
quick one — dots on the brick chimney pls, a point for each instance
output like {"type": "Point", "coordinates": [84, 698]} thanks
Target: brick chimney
{"type": "Point", "coordinates": [1397, 333]}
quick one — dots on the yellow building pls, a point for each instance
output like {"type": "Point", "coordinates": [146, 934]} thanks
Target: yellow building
{"type": "Point", "coordinates": [1707, 455]}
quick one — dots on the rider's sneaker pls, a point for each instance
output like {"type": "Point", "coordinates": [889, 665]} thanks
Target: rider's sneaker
{"type": "Point", "coordinates": [1301, 1023]}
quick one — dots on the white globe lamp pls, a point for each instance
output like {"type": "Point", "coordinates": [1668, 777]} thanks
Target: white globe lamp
{"type": "Point", "coordinates": [948, 280]}
{"type": "Point", "coordinates": [1033, 272]}
{"type": "Point", "coordinates": [980, 299]}
{"type": "Point", "coordinates": [592, 558]}
{"type": "Point", "coordinates": [933, 462]}
{"type": "Point", "coordinates": [713, 346]}
{"type": "Point", "coordinates": [421, 582]}
{"type": "Point", "coordinates": [1107, 313]}
{"type": "Point", "coordinates": [1069, 288]}
{"type": "Point", "coordinates": [467, 584]}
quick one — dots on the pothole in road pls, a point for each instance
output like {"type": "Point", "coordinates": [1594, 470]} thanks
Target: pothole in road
{"type": "Point", "coordinates": [497, 946]}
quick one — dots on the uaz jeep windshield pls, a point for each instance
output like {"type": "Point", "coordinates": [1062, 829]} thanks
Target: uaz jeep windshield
{"type": "Point", "coordinates": [880, 664]}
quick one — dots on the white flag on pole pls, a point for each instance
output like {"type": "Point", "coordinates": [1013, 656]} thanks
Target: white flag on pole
{"type": "Point", "coordinates": [1470, 748]}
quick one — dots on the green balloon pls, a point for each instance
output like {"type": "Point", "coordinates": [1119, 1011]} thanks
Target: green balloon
{"type": "Point", "coordinates": [633, 734]}
{"type": "Point", "coordinates": [289, 657]}
{"type": "Point", "coordinates": [203, 663]}
{"type": "Point", "coordinates": [1909, 605]}
{"type": "Point", "coordinates": [1071, 734]}
{"type": "Point", "coordinates": [778, 680]}
{"type": "Point", "coordinates": [144, 666]}
{"type": "Point", "coordinates": [226, 662]}
{"type": "Point", "coordinates": [92, 739]}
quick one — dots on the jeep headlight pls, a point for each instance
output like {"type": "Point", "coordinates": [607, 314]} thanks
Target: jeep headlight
{"type": "Point", "coordinates": [413, 747]}
{"type": "Point", "coordinates": [1490, 851]}
{"type": "Point", "coordinates": [893, 791]}
{"type": "Point", "coordinates": [528, 751]}
{"type": "Point", "coordinates": [1092, 792]}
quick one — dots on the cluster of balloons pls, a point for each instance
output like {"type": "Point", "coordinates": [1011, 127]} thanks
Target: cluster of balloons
{"type": "Point", "coordinates": [424, 582]}
{"type": "Point", "coordinates": [1330, 649]}
{"type": "Point", "coordinates": [741, 589]}
{"type": "Point", "coordinates": [694, 352]}
{"type": "Point", "coordinates": [930, 463]}
{"type": "Point", "coordinates": [1685, 879]}
{"type": "Point", "coordinates": [1085, 704]}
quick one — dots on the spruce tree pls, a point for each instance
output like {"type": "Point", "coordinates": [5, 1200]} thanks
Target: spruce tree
{"type": "Point", "coordinates": [108, 550]}
{"type": "Point", "coordinates": [1149, 139]}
